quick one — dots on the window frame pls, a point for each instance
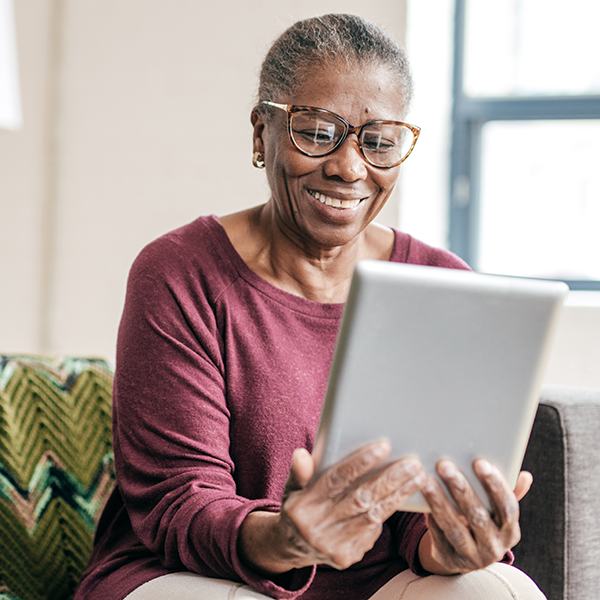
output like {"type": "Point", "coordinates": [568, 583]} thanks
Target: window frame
{"type": "Point", "coordinates": [468, 117]}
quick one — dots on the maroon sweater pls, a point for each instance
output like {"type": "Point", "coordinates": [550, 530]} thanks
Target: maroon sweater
{"type": "Point", "coordinates": [220, 376]}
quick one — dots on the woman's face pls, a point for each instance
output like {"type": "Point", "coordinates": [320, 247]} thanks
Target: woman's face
{"type": "Point", "coordinates": [301, 186]}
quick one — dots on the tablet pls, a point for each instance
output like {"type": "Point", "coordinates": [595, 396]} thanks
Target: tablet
{"type": "Point", "coordinates": [442, 363]}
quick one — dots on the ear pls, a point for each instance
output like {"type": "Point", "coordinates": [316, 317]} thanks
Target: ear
{"type": "Point", "coordinates": [258, 122]}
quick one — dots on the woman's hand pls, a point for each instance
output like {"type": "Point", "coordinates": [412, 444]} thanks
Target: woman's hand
{"type": "Point", "coordinates": [334, 519]}
{"type": "Point", "coordinates": [466, 538]}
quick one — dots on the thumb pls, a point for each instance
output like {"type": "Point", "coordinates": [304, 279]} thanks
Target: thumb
{"type": "Point", "coordinates": [303, 468]}
{"type": "Point", "coordinates": [524, 482]}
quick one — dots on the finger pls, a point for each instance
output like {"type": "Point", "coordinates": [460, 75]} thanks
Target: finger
{"type": "Point", "coordinates": [367, 495]}
{"type": "Point", "coordinates": [344, 474]}
{"type": "Point", "coordinates": [357, 542]}
{"type": "Point", "coordinates": [504, 502]}
{"type": "Point", "coordinates": [467, 501]}
{"type": "Point", "coordinates": [397, 494]}
{"type": "Point", "coordinates": [448, 521]}
{"type": "Point", "coordinates": [303, 468]}
{"type": "Point", "coordinates": [444, 553]}
{"type": "Point", "coordinates": [394, 476]}
{"type": "Point", "coordinates": [492, 536]}
{"type": "Point", "coordinates": [355, 520]}
{"type": "Point", "coordinates": [524, 482]}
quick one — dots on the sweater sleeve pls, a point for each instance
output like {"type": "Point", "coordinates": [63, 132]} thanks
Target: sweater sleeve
{"type": "Point", "coordinates": [171, 425]}
{"type": "Point", "coordinates": [409, 528]}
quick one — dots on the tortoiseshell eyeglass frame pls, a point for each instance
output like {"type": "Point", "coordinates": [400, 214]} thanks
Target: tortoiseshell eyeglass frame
{"type": "Point", "coordinates": [290, 109]}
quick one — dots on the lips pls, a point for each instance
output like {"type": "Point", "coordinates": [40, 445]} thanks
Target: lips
{"type": "Point", "coordinates": [334, 202]}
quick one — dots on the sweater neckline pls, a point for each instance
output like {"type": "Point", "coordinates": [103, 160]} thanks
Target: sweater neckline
{"type": "Point", "coordinates": [297, 303]}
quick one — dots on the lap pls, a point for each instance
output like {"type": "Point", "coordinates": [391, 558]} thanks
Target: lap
{"type": "Point", "coordinates": [496, 582]}
{"type": "Point", "coordinates": [189, 586]}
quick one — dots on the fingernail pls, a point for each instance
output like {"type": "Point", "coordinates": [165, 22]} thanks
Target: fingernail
{"type": "Point", "coordinates": [379, 449]}
{"type": "Point", "coordinates": [484, 467]}
{"type": "Point", "coordinates": [447, 469]}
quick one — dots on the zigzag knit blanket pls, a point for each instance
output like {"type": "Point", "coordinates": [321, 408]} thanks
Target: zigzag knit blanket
{"type": "Point", "coordinates": [56, 471]}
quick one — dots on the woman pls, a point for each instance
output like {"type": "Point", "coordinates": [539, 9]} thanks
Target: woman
{"type": "Point", "coordinates": [224, 351]}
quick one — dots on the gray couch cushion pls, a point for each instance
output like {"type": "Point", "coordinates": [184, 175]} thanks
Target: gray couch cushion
{"type": "Point", "coordinates": [560, 517]}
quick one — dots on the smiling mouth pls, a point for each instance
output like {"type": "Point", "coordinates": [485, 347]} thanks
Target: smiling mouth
{"type": "Point", "coordinates": [335, 202]}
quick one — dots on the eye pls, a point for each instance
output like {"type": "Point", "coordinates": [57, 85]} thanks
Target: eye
{"type": "Point", "coordinates": [378, 140]}
{"type": "Point", "coordinates": [318, 132]}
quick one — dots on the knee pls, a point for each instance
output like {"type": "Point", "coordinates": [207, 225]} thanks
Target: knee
{"type": "Point", "coordinates": [496, 582]}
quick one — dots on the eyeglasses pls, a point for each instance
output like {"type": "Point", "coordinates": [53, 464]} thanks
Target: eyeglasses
{"type": "Point", "coordinates": [319, 132]}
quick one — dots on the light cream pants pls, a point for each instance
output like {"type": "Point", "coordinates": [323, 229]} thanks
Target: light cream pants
{"type": "Point", "coordinates": [496, 582]}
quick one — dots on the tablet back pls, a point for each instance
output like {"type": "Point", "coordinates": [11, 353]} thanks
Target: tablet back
{"type": "Point", "coordinates": [442, 363]}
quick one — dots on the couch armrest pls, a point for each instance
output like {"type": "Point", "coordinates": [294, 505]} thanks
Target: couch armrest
{"type": "Point", "coordinates": [560, 517]}
{"type": "Point", "coordinates": [56, 470]}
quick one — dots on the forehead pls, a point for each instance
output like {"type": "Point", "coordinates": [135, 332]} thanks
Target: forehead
{"type": "Point", "coordinates": [355, 92]}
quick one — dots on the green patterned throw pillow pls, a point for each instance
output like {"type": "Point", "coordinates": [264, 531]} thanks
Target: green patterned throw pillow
{"type": "Point", "coordinates": [56, 471]}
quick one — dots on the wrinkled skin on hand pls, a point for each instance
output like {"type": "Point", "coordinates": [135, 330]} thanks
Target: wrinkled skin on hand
{"type": "Point", "coordinates": [335, 518]}
{"type": "Point", "coordinates": [332, 519]}
{"type": "Point", "coordinates": [466, 537]}
{"type": "Point", "coordinates": [338, 517]}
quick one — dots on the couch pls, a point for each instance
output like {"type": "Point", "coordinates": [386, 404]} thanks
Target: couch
{"type": "Point", "coordinates": [56, 471]}
{"type": "Point", "coordinates": [560, 517]}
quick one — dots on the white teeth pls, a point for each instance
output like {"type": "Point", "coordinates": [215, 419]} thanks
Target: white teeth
{"type": "Point", "coordinates": [334, 201]}
{"type": "Point", "coordinates": [350, 203]}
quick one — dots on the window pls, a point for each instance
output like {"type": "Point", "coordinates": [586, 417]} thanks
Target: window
{"type": "Point", "coordinates": [525, 165]}
{"type": "Point", "coordinates": [10, 104]}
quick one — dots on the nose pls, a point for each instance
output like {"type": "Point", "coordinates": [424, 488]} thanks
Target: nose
{"type": "Point", "coordinates": [346, 162]}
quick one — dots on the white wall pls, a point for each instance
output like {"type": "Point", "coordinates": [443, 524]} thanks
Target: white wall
{"type": "Point", "coordinates": [136, 120]}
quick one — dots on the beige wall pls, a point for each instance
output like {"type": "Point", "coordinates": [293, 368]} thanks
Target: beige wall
{"type": "Point", "coordinates": [575, 357]}
{"type": "Point", "coordinates": [22, 189]}
{"type": "Point", "coordinates": [136, 120]}
{"type": "Point", "coordinates": [120, 98]}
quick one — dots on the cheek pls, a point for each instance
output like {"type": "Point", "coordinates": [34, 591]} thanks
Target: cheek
{"type": "Point", "coordinates": [289, 165]}
{"type": "Point", "coordinates": [387, 180]}
{"type": "Point", "coordinates": [284, 158]}
{"type": "Point", "coordinates": [283, 177]}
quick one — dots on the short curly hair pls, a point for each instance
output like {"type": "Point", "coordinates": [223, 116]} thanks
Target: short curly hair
{"type": "Point", "coordinates": [328, 39]}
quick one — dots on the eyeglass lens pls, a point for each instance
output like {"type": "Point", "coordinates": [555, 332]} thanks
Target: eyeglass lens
{"type": "Point", "coordinates": [383, 144]}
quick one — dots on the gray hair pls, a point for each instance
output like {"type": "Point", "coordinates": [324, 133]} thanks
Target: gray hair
{"type": "Point", "coordinates": [327, 39]}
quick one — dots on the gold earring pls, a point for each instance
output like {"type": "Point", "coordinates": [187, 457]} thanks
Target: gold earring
{"type": "Point", "coordinates": [258, 160]}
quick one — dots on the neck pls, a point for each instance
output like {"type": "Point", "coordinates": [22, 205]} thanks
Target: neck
{"type": "Point", "coordinates": [302, 267]}
{"type": "Point", "coordinates": [299, 266]}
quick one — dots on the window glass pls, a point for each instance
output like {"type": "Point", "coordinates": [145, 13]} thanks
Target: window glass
{"type": "Point", "coordinates": [531, 48]}
{"type": "Point", "coordinates": [540, 199]}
